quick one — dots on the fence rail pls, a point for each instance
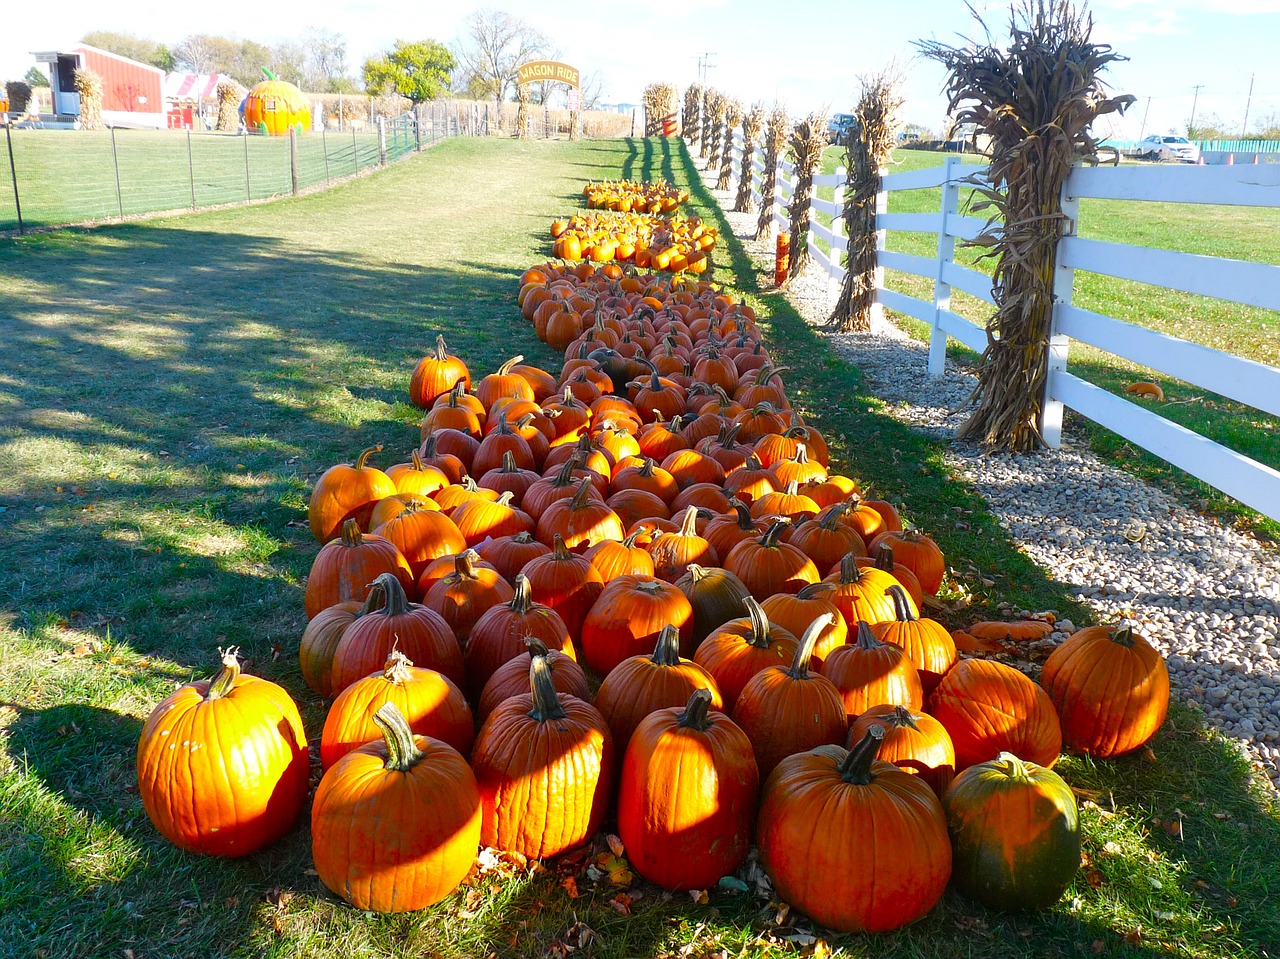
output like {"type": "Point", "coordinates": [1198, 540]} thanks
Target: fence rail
{"type": "Point", "coordinates": [1256, 284]}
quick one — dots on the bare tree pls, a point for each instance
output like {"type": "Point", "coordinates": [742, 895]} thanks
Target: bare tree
{"type": "Point", "coordinates": [326, 58]}
{"type": "Point", "coordinates": [496, 44]}
{"type": "Point", "coordinates": [592, 90]}
{"type": "Point", "coordinates": [201, 53]}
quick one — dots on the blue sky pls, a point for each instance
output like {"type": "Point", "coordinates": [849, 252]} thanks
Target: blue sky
{"type": "Point", "coordinates": [807, 55]}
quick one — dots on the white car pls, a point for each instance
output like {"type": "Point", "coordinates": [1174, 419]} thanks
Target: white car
{"type": "Point", "coordinates": [1157, 147]}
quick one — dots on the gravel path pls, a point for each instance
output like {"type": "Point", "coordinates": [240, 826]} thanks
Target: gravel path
{"type": "Point", "coordinates": [1205, 595]}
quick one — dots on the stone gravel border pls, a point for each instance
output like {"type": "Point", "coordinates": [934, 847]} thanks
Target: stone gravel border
{"type": "Point", "coordinates": [1205, 595]}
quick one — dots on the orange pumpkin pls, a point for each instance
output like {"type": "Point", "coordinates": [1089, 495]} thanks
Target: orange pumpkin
{"type": "Point", "coordinates": [347, 492]}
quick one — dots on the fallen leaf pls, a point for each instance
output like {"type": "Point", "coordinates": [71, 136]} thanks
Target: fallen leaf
{"type": "Point", "coordinates": [616, 869]}
{"type": "Point", "coordinates": [699, 896]}
{"type": "Point", "coordinates": [615, 845]}
{"type": "Point", "coordinates": [1097, 947]}
{"type": "Point", "coordinates": [1094, 878]}
{"type": "Point", "coordinates": [1133, 936]}
{"type": "Point", "coordinates": [570, 885]}
{"type": "Point", "coordinates": [621, 904]}
{"type": "Point", "coordinates": [1148, 756]}
{"type": "Point", "coordinates": [801, 938]}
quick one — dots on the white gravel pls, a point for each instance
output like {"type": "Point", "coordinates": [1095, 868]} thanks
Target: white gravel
{"type": "Point", "coordinates": [1206, 596]}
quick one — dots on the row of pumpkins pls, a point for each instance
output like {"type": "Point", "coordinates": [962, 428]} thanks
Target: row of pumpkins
{"type": "Point", "coordinates": [640, 196]}
{"type": "Point", "coordinates": [658, 513]}
{"type": "Point", "coordinates": [676, 243]}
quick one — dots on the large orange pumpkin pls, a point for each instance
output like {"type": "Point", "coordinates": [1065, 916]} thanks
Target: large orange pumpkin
{"type": "Point", "coordinates": [857, 844]}
{"type": "Point", "coordinates": [274, 107]}
{"type": "Point", "coordinates": [544, 763]}
{"type": "Point", "coordinates": [687, 798]}
{"type": "Point", "coordinates": [222, 764]}
{"type": "Point", "coordinates": [1110, 688]}
{"type": "Point", "coordinates": [396, 823]}
{"type": "Point", "coordinates": [347, 492]}
{"type": "Point", "coordinates": [627, 618]}
{"type": "Point", "coordinates": [990, 708]}
{"type": "Point", "coordinates": [344, 568]}
{"type": "Point", "coordinates": [436, 374]}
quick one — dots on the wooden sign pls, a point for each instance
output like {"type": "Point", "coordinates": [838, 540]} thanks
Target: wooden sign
{"type": "Point", "coordinates": [539, 70]}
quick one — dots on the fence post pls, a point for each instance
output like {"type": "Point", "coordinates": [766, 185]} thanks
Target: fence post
{"type": "Point", "coordinates": [293, 159]}
{"type": "Point", "coordinates": [417, 127]}
{"type": "Point", "coordinates": [837, 232]}
{"type": "Point", "coordinates": [946, 254]}
{"type": "Point", "coordinates": [1063, 284]}
{"type": "Point", "coordinates": [382, 141]}
{"type": "Point", "coordinates": [115, 162]}
{"type": "Point", "coordinates": [248, 192]}
{"type": "Point", "coordinates": [191, 170]}
{"type": "Point", "coordinates": [324, 145]}
{"type": "Point", "coordinates": [877, 275]}
{"type": "Point", "coordinates": [13, 171]}
{"type": "Point", "coordinates": [355, 152]}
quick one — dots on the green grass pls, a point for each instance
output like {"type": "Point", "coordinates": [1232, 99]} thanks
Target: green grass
{"type": "Point", "coordinates": [170, 392]}
{"type": "Point", "coordinates": [70, 176]}
{"type": "Point", "coordinates": [1244, 233]}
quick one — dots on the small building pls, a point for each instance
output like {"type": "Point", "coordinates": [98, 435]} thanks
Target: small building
{"type": "Point", "coordinates": [132, 92]}
{"type": "Point", "coordinates": [193, 97]}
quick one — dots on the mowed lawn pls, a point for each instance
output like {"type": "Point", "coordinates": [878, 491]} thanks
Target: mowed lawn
{"type": "Point", "coordinates": [170, 391]}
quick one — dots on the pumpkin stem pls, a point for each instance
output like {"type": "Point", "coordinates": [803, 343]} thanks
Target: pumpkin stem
{"type": "Point", "coordinates": [694, 715]}
{"type": "Point", "coordinates": [442, 354]}
{"type": "Point", "coordinates": [416, 459]}
{"type": "Point", "coordinates": [580, 498]}
{"type": "Point", "coordinates": [793, 488]}
{"type": "Point", "coordinates": [689, 526]}
{"type": "Point", "coordinates": [469, 484]}
{"type": "Point", "coordinates": [509, 463]}
{"type": "Point", "coordinates": [402, 752]}
{"type": "Point", "coordinates": [464, 564]}
{"type": "Point", "coordinates": [850, 571]}
{"type": "Point", "coordinates": [1011, 766]}
{"type": "Point", "coordinates": [802, 455]}
{"type": "Point", "coordinates": [902, 717]}
{"type": "Point", "coordinates": [505, 368]}
{"type": "Point", "coordinates": [804, 652]}
{"type": "Point", "coordinates": [646, 470]}
{"type": "Point", "coordinates": [397, 667]}
{"type": "Point", "coordinates": [565, 476]}
{"type": "Point", "coordinates": [546, 705]}
{"type": "Point", "coordinates": [226, 677]}
{"type": "Point", "coordinates": [428, 448]}
{"type": "Point", "coordinates": [1123, 635]}
{"type": "Point", "coordinates": [866, 638]}
{"type": "Point", "coordinates": [559, 550]}
{"type": "Point", "coordinates": [522, 602]}
{"type": "Point", "coordinates": [745, 522]}
{"type": "Point", "coordinates": [394, 601]}
{"type": "Point", "coordinates": [629, 541]}
{"type": "Point", "coordinates": [884, 558]}
{"type": "Point", "coordinates": [759, 623]}
{"type": "Point", "coordinates": [901, 606]}
{"type": "Point", "coordinates": [666, 652]}
{"type": "Point", "coordinates": [811, 590]}
{"type": "Point", "coordinates": [506, 498]}
{"type": "Point", "coordinates": [770, 538]}
{"type": "Point", "coordinates": [855, 768]}
{"type": "Point", "coordinates": [536, 646]}
{"type": "Point", "coordinates": [794, 432]}
{"type": "Point", "coordinates": [351, 535]}
{"type": "Point", "coordinates": [831, 521]}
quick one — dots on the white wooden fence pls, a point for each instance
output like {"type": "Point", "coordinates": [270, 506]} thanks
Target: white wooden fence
{"type": "Point", "coordinates": [1255, 284]}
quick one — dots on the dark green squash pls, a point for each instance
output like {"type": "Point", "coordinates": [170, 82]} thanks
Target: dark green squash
{"type": "Point", "coordinates": [1015, 834]}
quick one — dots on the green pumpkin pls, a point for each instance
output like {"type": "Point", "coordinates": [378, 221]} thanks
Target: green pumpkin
{"type": "Point", "coordinates": [1015, 834]}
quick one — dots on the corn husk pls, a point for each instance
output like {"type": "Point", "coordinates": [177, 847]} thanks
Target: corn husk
{"type": "Point", "coordinates": [228, 102]}
{"type": "Point", "coordinates": [89, 85]}
{"type": "Point", "coordinates": [659, 101]}
{"type": "Point", "coordinates": [808, 138]}
{"type": "Point", "coordinates": [777, 128]}
{"type": "Point", "coordinates": [1036, 101]}
{"type": "Point", "coordinates": [868, 147]}
{"type": "Point", "coordinates": [751, 124]}
{"type": "Point", "coordinates": [691, 122]}
{"type": "Point", "coordinates": [732, 117]}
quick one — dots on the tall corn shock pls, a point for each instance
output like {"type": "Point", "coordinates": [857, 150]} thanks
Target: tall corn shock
{"type": "Point", "coordinates": [89, 86]}
{"type": "Point", "coordinates": [775, 141]}
{"type": "Point", "coordinates": [691, 121]}
{"type": "Point", "coordinates": [751, 125]}
{"type": "Point", "coordinates": [1035, 100]}
{"type": "Point", "coordinates": [808, 137]}
{"type": "Point", "coordinates": [719, 107]}
{"type": "Point", "coordinates": [228, 101]}
{"type": "Point", "coordinates": [868, 147]}
{"type": "Point", "coordinates": [522, 111]}
{"type": "Point", "coordinates": [732, 117]}
{"type": "Point", "coordinates": [704, 131]}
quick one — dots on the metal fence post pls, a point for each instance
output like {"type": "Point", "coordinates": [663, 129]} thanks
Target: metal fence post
{"type": "Point", "coordinates": [191, 170]}
{"type": "Point", "coordinates": [946, 255]}
{"type": "Point", "coordinates": [293, 159]}
{"type": "Point", "coordinates": [1051, 409]}
{"type": "Point", "coordinates": [115, 162]}
{"type": "Point", "coordinates": [417, 126]}
{"type": "Point", "coordinates": [324, 145]}
{"type": "Point", "coordinates": [382, 141]}
{"type": "Point", "coordinates": [13, 171]}
{"type": "Point", "coordinates": [248, 193]}
{"type": "Point", "coordinates": [355, 152]}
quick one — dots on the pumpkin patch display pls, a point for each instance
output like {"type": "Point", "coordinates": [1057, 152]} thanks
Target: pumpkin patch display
{"type": "Point", "coordinates": [374, 840]}
{"type": "Point", "coordinates": [222, 763]}
{"type": "Point", "coordinates": [1015, 834]}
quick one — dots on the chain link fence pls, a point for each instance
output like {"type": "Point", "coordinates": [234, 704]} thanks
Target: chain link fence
{"type": "Point", "coordinates": [51, 178]}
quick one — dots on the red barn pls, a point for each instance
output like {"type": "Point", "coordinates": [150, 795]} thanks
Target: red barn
{"type": "Point", "coordinates": [132, 92]}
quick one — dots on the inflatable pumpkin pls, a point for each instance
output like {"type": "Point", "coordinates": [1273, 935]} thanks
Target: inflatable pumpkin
{"type": "Point", "coordinates": [274, 107]}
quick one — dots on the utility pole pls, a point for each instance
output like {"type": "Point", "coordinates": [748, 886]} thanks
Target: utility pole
{"type": "Point", "coordinates": [705, 66]}
{"type": "Point", "coordinates": [1191, 127]}
{"type": "Point", "coordinates": [1244, 130]}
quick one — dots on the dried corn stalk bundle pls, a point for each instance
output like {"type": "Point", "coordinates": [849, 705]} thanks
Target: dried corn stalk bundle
{"type": "Point", "coordinates": [719, 107]}
{"type": "Point", "coordinates": [89, 85]}
{"type": "Point", "coordinates": [751, 124]}
{"type": "Point", "coordinates": [775, 140]}
{"type": "Point", "coordinates": [732, 117]}
{"type": "Point", "coordinates": [704, 140]}
{"type": "Point", "coordinates": [659, 104]}
{"type": "Point", "coordinates": [522, 111]}
{"type": "Point", "coordinates": [868, 147]}
{"type": "Point", "coordinates": [228, 103]}
{"type": "Point", "coordinates": [1035, 100]}
{"type": "Point", "coordinates": [808, 138]}
{"type": "Point", "coordinates": [691, 122]}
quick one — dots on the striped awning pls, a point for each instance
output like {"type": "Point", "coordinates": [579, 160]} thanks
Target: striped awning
{"type": "Point", "coordinates": [195, 86]}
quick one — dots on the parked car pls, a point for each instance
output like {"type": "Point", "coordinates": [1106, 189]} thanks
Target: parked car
{"type": "Point", "coordinates": [1156, 147]}
{"type": "Point", "coordinates": [838, 127]}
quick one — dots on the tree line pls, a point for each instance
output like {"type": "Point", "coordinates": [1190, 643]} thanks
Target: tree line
{"type": "Point", "coordinates": [480, 65]}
